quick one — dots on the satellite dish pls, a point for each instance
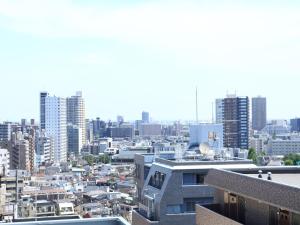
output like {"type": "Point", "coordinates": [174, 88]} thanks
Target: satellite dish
{"type": "Point", "coordinates": [204, 148]}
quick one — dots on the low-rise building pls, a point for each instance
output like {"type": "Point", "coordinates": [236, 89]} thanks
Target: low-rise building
{"type": "Point", "coordinates": [253, 198]}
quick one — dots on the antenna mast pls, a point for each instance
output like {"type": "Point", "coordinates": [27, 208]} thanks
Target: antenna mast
{"type": "Point", "coordinates": [197, 121]}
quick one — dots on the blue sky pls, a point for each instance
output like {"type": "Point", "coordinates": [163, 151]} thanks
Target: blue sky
{"type": "Point", "coordinates": [130, 56]}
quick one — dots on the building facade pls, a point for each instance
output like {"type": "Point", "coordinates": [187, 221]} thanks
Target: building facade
{"type": "Point", "coordinates": [167, 191]}
{"type": "Point", "coordinates": [43, 96]}
{"type": "Point", "coordinates": [259, 198]}
{"type": "Point", "coordinates": [76, 114]}
{"type": "Point", "coordinates": [5, 132]}
{"type": "Point", "coordinates": [236, 122]}
{"type": "Point", "coordinates": [145, 117]}
{"type": "Point", "coordinates": [212, 134]}
{"type": "Point", "coordinates": [151, 129]}
{"type": "Point", "coordinates": [56, 126]}
{"type": "Point", "coordinates": [219, 108]}
{"type": "Point", "coordinates": [295, 125]}
{"type": "Point", "coordinates": [74, 134]}
{"type": "Point", "coordinates": [259, 113]}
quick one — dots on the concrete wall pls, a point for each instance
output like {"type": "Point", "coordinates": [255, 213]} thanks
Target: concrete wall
{"type": "Point", "coordinates": [207, 217]}
{"type": "Point", "coordinates": [256, 213]}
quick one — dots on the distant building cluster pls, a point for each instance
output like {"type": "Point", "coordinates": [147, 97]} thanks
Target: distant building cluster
{"type": "Point", "coordinates": [225, 171]}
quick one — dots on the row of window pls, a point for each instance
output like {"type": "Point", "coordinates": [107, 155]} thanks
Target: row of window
{"type": "Point", "coordinates": [192, 179]}
{"type": "Point", "coordinates": [157, 180]}
{"type": "Point", "coordinates": [189, 205]}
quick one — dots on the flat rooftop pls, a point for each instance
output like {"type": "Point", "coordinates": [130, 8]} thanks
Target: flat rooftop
{"type": "Point", "coordinates": [290, 179]}
{"type": "Point", "coordinates": [205, 164]}
{"type": "Point", "coordinates": [92, 221]}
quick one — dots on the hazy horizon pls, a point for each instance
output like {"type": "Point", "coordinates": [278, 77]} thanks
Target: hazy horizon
{"type": "Point", "coordinates": [148, 55]}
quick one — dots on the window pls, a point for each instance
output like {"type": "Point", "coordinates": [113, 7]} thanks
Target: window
{"type": "Point", "coordinates": [192, 179]}
{"type": "Point", "coordinates": [174, 209]}
{"type": "Point", "coordinates": [189, 203]}
{"type": "Point", "coordinates": [157, 180]}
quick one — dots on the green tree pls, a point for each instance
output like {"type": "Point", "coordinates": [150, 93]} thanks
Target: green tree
{"type": "Point", "coordinates": [288, 162]}
{"type": "Point", "coordinates": [294, 158]}
{"type": "Point", "coordinates": [252, 155]}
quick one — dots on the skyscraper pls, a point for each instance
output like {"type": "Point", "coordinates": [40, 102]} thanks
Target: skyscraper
{"type": "Point", "coordinates": [145, 117]}
{"type": "Point", "coordinates": [56, 126]}
{"type": "Point", "coordinates": [259, 113]}
{"type": "Point", "coordinates": [76, 114]}
{"type": "Point", "coordinates": [74, 139]}
{"type": "Point", "coordinates": [236, 122]}
{"type": "Point", "coordinates": [295, 125]}
{"type": "Point", "coordinates": [43, 96]}
{"type": "Point", "coordinates": [219, 110]}
{"type": "Point", "coordinates": [5, 131]}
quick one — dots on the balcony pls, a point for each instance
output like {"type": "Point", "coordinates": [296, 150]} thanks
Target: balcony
{"type": "Point", "coordinates": [206, 216]}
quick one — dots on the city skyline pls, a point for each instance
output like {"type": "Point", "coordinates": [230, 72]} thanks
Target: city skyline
{"type": "Point", "coordinates": [126, 61]}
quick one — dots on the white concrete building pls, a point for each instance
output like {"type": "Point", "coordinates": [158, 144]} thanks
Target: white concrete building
{"type": "Point", "coordinates": [219, 110]}
{"type": "Point", "coordinates": [283, 147]}
{"type": "Point", "coordinates": [76, 114]}
{"type": "Point", "coordinates": [209, 133]}
{"type": "Point", "coordinates": [4, 161]}
{"type": "Point", "coordinates": [56, 126]}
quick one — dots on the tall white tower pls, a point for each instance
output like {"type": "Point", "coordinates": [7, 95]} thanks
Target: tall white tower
{"type": "Point", "coordinates": [56, 126]}
{"type": "Point", "coordinates": [76, 114]}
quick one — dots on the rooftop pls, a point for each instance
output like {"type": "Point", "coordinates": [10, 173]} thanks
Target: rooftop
{"type": "Point", "coordinates": [290, 179]}
{"type": "Point", "coordinates": [203, 164]}
{"type": "Point", "coordinates": [92, 221]}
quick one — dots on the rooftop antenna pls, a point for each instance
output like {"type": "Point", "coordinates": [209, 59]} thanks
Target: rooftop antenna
{"type": "Point", "coordinates": [197, 121]}
{"type": "Point", "coordinates": [212, 112]}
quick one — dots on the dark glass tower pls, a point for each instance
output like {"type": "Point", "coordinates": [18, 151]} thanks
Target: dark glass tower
{"type": "Point", "coordinates": [236, 122]}
{"type": "Point", "coordinates": [43, 96]}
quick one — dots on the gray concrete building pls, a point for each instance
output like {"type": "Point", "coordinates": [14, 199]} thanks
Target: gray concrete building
{"type": "Point", "coordinates": [168, 190]}
{"type": "Point", "coordinates": [259, 113]}
{"type": "Point", "coordinates": [266, 198]}
{"type": "Point", "coordinates": [74, 134]}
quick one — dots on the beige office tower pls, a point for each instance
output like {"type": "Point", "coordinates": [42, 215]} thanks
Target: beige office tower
{"type": "Point", "coordinates": [76, 113]}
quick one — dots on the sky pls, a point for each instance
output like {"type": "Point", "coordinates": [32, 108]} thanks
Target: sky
{"type": "Point", "coordinates": [130, 56]}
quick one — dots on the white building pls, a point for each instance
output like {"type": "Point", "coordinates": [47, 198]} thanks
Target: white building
{"type": "Point", "coordinates": [219, 110]}
{"type": "Point", "coordinates": [283, 147]}
{"type": "Point", "coordinates": [44, 149]}
{"type": "Point", "coordinates": [4, 161]}
{"type": "Point", "coordinates": [76, 114]}
{"type": "Point", "coordinates": [56, 126]}
{"type": "Point", "coordinates": [209, 133]}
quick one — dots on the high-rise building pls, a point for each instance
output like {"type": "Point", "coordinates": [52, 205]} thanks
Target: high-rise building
{"type": "Point", "coordinates": [5, 132]}
{"type": "Point", "coordinates": [19, 155]}
{"type": "Point", "coordinates": [259, 113]}
{"type": "Point", "coordinates": [76, 114]}
{"type": "Point", "coordinates": [74, 139]}
{"type": "Point", "coordinates": [30, 137]}
{"type": "Point", "coordinates": [145, 117]}
{"type": "Point", "coordinates": [236, 122]}
{"type": "Point", "coordinates": [295, 125]}
{"type": "Point", "coordinates": [43, 149]}
{"type": "Point", "coordinates": [120, 119]}
{"type": "Point", "coordinates": [219, 110]}
{"type": "Point", "coordinates": [43, 96]}
{"type": "Point", "coordinates": [56, 126]}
